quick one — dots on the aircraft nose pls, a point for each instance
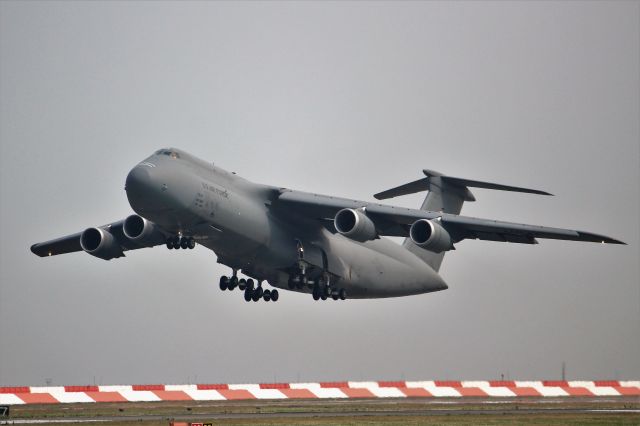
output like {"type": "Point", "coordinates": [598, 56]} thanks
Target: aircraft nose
{"type": "Point", "coordinates": [138, 180]}
{"type": "Point", "coordinates": [141, 189]}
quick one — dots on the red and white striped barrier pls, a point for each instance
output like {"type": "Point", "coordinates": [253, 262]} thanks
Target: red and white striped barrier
{"type": "Point", "coordinates": [401, 389]}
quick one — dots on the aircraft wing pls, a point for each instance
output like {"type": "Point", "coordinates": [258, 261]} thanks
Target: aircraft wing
{"type": "Point", "coordinates": [395, 221]}
{"type": "Point", "coordinates": [71, 243]}
{"type": "Point", "coordinates": [62, 245]}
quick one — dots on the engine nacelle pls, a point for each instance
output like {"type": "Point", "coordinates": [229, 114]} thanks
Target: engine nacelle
{"type": "Point", "coordinates": [100, 243]}
{"type": "Point", "coordinates": [141, 231]}
{"type": "Point", "coordinates": [355, 224]}
{"type": "Point", "coordinates": [430, 235]}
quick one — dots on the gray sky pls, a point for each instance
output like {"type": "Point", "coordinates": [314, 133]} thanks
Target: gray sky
{"type": "Point", "coordinates": [337, 98]}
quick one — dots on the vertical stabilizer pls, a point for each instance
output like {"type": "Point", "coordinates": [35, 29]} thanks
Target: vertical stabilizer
{"type": "Point", "coordinates": [444, 197]}
{"type": "Point", "coordinates": [446, 194]}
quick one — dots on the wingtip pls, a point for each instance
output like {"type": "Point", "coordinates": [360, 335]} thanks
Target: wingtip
{"type": "Point", "coordinates": [609, 240]}
{"type": "Point", "coordinates": [535, 191]}
{"type": "Point", "coordinates": [34, 250]}
{"type": "Point", "coordinates": [602, 239]}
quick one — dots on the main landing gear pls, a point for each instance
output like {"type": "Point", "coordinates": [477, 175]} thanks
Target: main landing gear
{"type": "Point", "coordinates": [180, 242]}
{"type": "Point", "coordinates": [311, 272]}
{"type": "Point", "coordinates": [321, 288]}
{"type": "Point", "coordinates": [251, 293]}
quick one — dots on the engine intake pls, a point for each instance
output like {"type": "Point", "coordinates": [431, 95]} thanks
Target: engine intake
{"type": "Point", "coordinates": [430, 235]}
{"type": "Point", "coordinates": [355, 224]}
{"type": "Point", "coordinates": [100, 243]}
{"type": "Point", "coordinates": [141, 231]}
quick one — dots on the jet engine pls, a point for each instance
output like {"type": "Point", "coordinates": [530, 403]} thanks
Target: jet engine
{"type": "Point", "coordinates": [100, 243]}
{"type": "Point", "coordinates": [430, 235]}
{"type": "Point", "coordinates": [355, 224]}
{"type": "Point", "coordinates": [141, 231]}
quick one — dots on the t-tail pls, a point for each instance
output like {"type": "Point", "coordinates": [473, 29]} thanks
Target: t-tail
{"type": "Point", "coordinates": [447, 195]}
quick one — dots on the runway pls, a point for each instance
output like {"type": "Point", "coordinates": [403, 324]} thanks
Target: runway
{"type": "Point", "coordinates": [383, 411]}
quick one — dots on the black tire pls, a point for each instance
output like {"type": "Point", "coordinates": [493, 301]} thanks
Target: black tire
{"type": "Point", "coordinates": [250, 284]}
{"type": "Point", "coordinates": [255, 297]}
{"type": "Point", "coordinates": [176, 243]}
{"type": "Point", "coordinates": [259, 291]}
{"type": "Point", "coordinates": [334, 296]}
{"type": "Point", "coordinates": [274, 295]}
{"type": "Point", "coordinates": [316, 292]}
{"type": "Point", "coordinates": [248, 295]}
{"type": "Point", "coordinates": [224, 283]}
{"type": "Point", "coordinates": [266, 296]}
{"type": "Point", "coordinates": [170, 244]}
{"type": "Point", "coordinates": [233, 283]}
{"type": "Point", "coordinates": [242, 284]}
{"type": "Point", "coordinates": [343, 294]}
{"type": "Point", "coordinates": [191, 244]}
{"type": "Point", "coordinates": [323, 297]}
{"type": "Point", "coordinates": [184, 243]}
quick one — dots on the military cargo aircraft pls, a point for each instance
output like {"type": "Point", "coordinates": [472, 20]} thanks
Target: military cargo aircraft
{"type": "Point", "coordinates": [333, 248]}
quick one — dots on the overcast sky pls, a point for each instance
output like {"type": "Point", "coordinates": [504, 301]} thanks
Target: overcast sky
{"type": "Point", "coordinates": [338, 98]}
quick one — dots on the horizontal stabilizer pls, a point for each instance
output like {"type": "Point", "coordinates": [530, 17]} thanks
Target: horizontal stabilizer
{"type": "Point", "coordinates": [435, 178]}
{"type": "Point", "coordinates": [408, 188]}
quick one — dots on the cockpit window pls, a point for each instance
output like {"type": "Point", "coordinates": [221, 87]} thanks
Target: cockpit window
{"type": "Point", "coordinates": [169, 153]}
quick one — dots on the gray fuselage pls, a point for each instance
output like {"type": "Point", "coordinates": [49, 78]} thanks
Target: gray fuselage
{"type": "Point", "coordinates": [238, 220]}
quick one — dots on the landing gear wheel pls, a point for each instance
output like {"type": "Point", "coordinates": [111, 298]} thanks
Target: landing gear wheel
{"type": "Point", "coordinates": [224, 283]}
{"type": "Point", "coordinates": [242, 284]}
{"type": "Point", "coordinates": [250, 283]}
{"type": "Point", "coordinates": [334, 296]}
{"type": "Point", "coordinates": [266, 296]}
{"type": "Point", "coordinates": [255, 296]}
{"type": "Point", "coordinates": [259, 291]}
{"type": "Point", "coordinates": [184, 243]}
{"type": "Point", "coordinates": [248, 295]}
{"type": "Point", "coordinates": [274, 295]}
{"type": "Point", "coordinates": [170, 244]}
{"type": "Point", "coordinates": [191, 244]}
{"type": "Point", "coordinates": [343, 294]}
{"type": "Point", "coordinates": [176, 243]}
{"type": "Point", "coordinates": [323, 297]}
{"type": "Point", "coordinates": [233, 281]}
{"type": "Point", "coordinates": [316, 293]}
